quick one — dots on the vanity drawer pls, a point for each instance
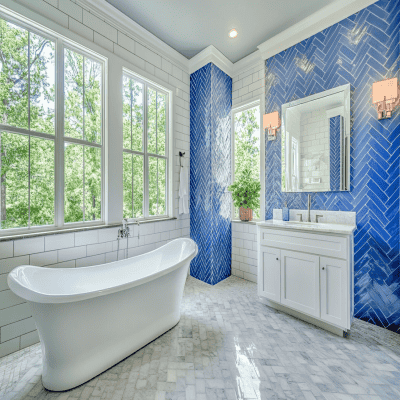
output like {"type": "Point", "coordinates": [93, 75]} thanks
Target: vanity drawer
{"type": "Point", "coordinates": [321, 244]}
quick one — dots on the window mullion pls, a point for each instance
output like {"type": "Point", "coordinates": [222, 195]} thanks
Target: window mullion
{"type": "Point", "coordinates": [83, 99]}
{"type": "Point", "coordinates": [158, 200]}
{"type": "Point", "coordinates": [133, 202]}
{"type": "Point", "coordinates": [29, 80]}
{"type": "Point", "coordinates": [145, 157]}
{"type": "Point", "coordinates": [157, 144]}
{"type": "Point", "coordinates": [133, 188]}
{"type": "Point", "coordinates": [233, 153]}
{"type": "Point", "coordinates": [83, 182]}
{"type": "Point", "coordinates": [169, 185]}
{"type": "Point", "coordinates": [156, 123]}
{"type": "Point", "coordinates": [59, 136]}
{"type": "Point", "coordinates": [29, 181]}
{"type": "Point", "coordinates": [83, 138]}
{"type": "Point", "coordinates": [29, 127]}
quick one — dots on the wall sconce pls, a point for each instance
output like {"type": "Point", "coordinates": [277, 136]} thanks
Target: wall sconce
{"type": "Point", "coordinates": [385, 97]}
{"type": "Point", "coordinates": [272, 122]}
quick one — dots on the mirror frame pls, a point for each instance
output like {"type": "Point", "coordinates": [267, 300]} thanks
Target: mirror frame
{"type": "Point", "coordinates": [345, 150]}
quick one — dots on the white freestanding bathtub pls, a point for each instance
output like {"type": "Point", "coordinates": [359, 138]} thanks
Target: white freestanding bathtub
{"type": "Point", "coordinates": [93, 317]}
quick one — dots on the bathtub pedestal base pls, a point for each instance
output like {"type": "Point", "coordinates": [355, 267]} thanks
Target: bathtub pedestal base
{"type": "Point", "coordinates": [76, 375]}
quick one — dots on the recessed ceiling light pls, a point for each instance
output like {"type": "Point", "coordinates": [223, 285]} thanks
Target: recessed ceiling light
{"type": "Point", "coordinates": [233, 33]}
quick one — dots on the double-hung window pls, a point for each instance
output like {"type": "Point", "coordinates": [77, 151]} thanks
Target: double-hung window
{"type": "Point", "coordinates": [145, 148]}
{"type": "Point", "coordinates": [51, 129]}
{"type": "Point", "coordinates": [246, 144]}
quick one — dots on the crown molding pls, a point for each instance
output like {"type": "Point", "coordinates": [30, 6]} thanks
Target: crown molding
{"type": "Point", "coordinates": [247, 62]}
{"type": "Point", "coordinates": [311, 25]}
{"type": "Point", "coordinates": [211, 54]}
{"type": "Point", "coordinates": [126, 25]}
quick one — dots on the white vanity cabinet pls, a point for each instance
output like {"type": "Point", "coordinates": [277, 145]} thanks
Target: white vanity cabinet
{"type": "Point", "coordinates": [307, 270]}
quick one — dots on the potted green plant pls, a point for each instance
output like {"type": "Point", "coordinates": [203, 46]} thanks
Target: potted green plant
{"type": "Point", "coordinates": [246, 194]}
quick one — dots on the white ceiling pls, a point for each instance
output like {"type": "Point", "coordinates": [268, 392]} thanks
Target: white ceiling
{"type": "Point", "coordinates": [189, 26]}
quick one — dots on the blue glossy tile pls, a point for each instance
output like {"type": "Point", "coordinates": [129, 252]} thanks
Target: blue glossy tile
{"type": "Point", "coordinates": [210, 173]}
{"type": "Point", "coordinates": [334, 156]}
{"type": "Point", "coordinates": [368, 44]}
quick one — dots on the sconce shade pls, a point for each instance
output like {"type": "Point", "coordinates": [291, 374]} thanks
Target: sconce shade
{"type": "Point", "coordinates": [385, 97]}
{"type": "Point", "coordinates": [272, 122]}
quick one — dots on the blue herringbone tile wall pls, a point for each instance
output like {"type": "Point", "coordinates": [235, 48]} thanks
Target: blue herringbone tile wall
{"type": "Point", "coordinates": [334, 153]}
{"type": "Point", "coordinates": [210, 173]}
{"type": "Point", "coordinates": [359, 50]}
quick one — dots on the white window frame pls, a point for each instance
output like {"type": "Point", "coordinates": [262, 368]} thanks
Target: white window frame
{"type": "Point", "coordinates": [149, 84]}
{"type": "Point", "coordinates": [239, 108]}
{"type": "Point", "coordinates": [61, 43]}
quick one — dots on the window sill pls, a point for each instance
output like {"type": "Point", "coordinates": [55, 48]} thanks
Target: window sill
{"type": "Point", "coordinates": [254, 222]}
{"type": "Point", "coordinates": [28, 235]}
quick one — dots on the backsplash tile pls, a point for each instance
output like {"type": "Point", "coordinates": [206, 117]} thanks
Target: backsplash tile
{"type": "Point", "coordinates": [359, 50]}
{"type": "Point", "coordinates": [210, 173]}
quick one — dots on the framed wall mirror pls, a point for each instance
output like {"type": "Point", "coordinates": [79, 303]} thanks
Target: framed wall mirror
{"type": "Point", "coordinates": [316, 142]}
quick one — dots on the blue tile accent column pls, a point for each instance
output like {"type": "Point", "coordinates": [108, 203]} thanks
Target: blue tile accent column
{"type": "Point", "coordinates": [210, 173]}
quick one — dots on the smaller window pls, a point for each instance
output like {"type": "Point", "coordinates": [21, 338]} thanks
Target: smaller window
{"type": "Point", "coordinates": [246, 148]}
{"type": "Point", "coordinates": [145, 149]}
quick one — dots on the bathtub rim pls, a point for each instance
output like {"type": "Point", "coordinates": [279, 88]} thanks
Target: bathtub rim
{"type": "Point", "coordinates": [31, 295]}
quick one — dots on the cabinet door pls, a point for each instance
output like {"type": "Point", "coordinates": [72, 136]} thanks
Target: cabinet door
{"type": "Point", "coordinates": [269, 274]}
{"type": "Point", "coordinates": [300, 282]}
{"type": "Point", "coordinates": [334, 291]}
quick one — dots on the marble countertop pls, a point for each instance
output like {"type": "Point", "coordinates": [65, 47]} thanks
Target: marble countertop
{"type": "Point", "coordinates": [309, 226]}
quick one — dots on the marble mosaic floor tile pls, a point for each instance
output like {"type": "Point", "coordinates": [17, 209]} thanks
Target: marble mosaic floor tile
{"type": "Point", "coordinates": [228, 345]}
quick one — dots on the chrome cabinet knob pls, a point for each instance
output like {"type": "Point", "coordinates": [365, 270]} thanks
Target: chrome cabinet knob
{"type": "Point", "coordinates": [323, 268]}
{"type": "Point", "coordinates": [277, 259]}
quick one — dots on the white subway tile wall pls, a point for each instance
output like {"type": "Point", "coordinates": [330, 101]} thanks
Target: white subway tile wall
{"type": "Point", "coordinates": [248, 85]}
{"type": "Point", "coordinates": [244, 250]}
{"type": "Point", "coordinates": [71, 250]}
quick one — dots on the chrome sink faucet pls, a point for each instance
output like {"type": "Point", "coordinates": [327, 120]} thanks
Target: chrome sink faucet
{"type": "Point", "coordinates": [309, 209]}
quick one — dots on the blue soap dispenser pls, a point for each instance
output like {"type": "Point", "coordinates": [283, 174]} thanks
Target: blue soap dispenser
{"type": "Point", "coordinates": [285, 212]}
